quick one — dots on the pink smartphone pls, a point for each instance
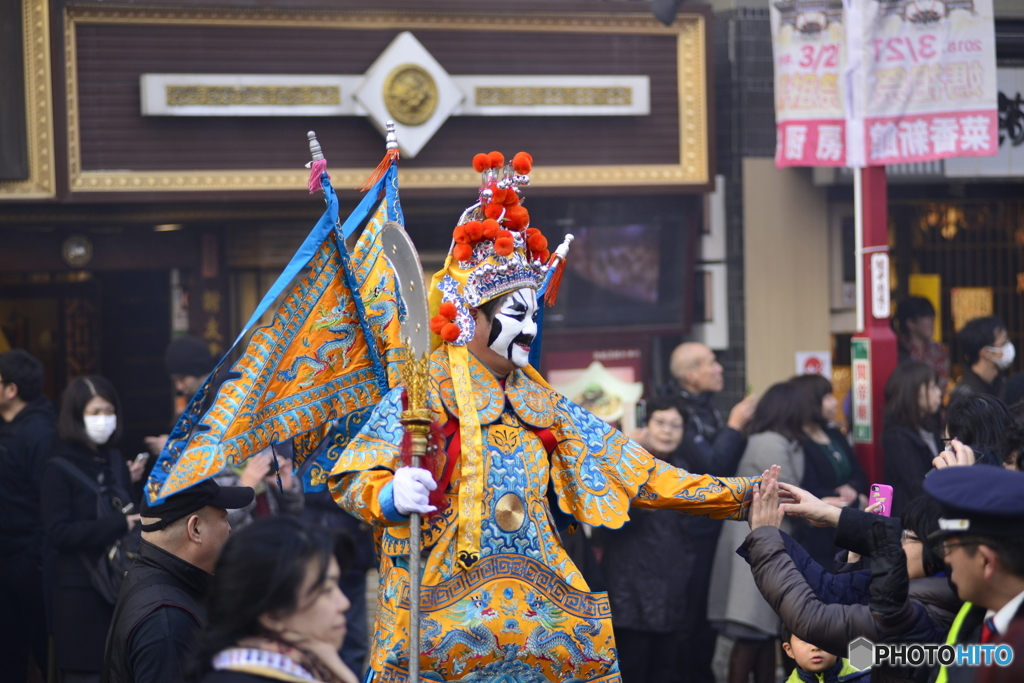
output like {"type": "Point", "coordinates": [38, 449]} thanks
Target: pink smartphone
{"type": "Point", "coordinates": [881, 493]}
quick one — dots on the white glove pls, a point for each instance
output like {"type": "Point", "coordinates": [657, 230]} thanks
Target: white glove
{"type": "Point", "coordinates": [411, 489]}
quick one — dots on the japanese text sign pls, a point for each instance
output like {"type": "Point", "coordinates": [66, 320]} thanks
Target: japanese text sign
{"type": "Point", "coordinates": [861, 370]}
{"type": "Point", "coordinates": [863, 82]}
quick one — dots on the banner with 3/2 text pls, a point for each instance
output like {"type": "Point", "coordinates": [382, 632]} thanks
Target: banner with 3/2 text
{"type": "Point", "coordinates": [875, 82]}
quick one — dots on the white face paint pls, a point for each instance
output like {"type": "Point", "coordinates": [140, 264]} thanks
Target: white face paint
{"type": "Point", "coordinates": [514, 327]}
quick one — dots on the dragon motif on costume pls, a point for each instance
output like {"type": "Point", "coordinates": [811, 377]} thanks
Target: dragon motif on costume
{"type": "Point", "coordinates": [476, 637]}
{"type": "Point", "coordinates": [548, 635]}
{"type": "Point", "coordinates": [380, 310]}
{"type": "Point", "coordinates": [328, 353]}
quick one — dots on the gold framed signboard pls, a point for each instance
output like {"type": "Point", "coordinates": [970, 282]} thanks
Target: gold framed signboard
{"type": "Point", "coordinates": [408, 95]}
{"type": "Point", "coordinates": [41, 182]}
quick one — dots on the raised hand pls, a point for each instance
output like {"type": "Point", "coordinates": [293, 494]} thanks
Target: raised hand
{"type": "Point", "coordinates": [809, 507]}
{"type": "Point", "coordinates": [765, 510]}
{"type": "Point", "coordinates": [955, 455]}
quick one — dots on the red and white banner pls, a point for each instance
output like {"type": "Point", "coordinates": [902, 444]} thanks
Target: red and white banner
{"type": "Point", "coordinates": [873, 83]}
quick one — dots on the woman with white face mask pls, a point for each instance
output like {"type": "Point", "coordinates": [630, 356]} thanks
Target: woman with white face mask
{"type": "Point", "coordinates": [82, 521]}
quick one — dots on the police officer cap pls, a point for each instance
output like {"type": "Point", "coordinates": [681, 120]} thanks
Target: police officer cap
{"type": "Point", "coordinates": [184, 503]}
{"type": "Point", "coordinates": [979, 500]}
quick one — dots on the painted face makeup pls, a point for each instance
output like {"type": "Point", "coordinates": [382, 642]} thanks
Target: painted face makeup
{"type": "Point", "coordinates": [515, 326]}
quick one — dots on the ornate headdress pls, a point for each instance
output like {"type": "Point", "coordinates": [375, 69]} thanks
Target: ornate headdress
{"type": "Point", "coordinates": [494, 250]}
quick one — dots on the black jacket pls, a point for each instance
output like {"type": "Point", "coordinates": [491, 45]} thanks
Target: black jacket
{"type": "Point", "coordinates": [159, 612]}
{"type": "Point", "coordinates": [709, 446]}
{"type": "Point", "coordinates": [647, 564]}
{"type": "Point", "coordinates": [972, 382]}
{"type": "Point", "coordinates": [74, 527]}
{"type": "Point", "coordinates": [826, 619]}
{"type": "Point", "coordinates": [25, 445]}
{"type": "Point", "coordinates": [907, 460]}
{"type": "Point", "coordinates": [821, 479]}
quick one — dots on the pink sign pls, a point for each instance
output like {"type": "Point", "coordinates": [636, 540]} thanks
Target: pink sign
{"type": "Point", "coordinates": [877, 83]}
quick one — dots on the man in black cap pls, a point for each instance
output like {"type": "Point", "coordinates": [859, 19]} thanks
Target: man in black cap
{"type": "Point", "coordinates": [160, 608]}
{"type": "Point", "coordinates": [981, 536]}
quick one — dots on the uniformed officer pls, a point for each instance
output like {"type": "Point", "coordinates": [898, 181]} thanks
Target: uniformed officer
{"type": "Point", "coordinates": [981, 537]}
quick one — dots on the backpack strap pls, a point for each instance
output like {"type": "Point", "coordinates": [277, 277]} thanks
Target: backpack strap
{"type": "Point", "coordinates": [78, 474]}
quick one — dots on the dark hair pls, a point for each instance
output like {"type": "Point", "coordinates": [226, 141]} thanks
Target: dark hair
{"type": "Point", "coordinates": [911, 308]}
{"type": "Point", "coordinates": [785, 634]}
{"type": "Point", "coordinates": [661, 402]}
{"type": "Point", "coordinates": [260, 571]}
{"type": "Point", "coordinates": [1010, 550]}
{"type": "Point", "coordinates": [921, 516]}
{"type": "Point", "coordinates": [70, 425]}
{"type": "Point", "coordinates": [979, 421]}
{"type": "Point", "coordinates": [976, 335]}
{"type": "Point", "coordinates": [785, 409]}
{"type": "Point", "coordinates": [903, 392]}
{"type": "Point", "coordinates": [22, 369]}
{"type": "Point", "coordinates": [1011, 446]}
{"type": "Point", "coordinates": [817, 388]}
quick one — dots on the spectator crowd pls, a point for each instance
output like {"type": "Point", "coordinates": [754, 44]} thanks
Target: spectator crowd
{"type": "Point", "coordinates": [245, 574]}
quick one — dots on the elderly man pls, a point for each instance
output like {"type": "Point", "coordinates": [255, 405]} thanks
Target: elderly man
{"type": "Point", "coordinates": [710, 446]}
{"type": "Point", "coordinates": [160, 608]}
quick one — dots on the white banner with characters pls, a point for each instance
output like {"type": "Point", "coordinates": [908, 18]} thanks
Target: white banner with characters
{"type": "Point", "coordinates": [877, 82]}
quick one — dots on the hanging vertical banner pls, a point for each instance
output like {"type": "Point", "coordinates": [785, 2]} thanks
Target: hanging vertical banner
{"type": "Point", "coordinates": [863, 82]}
{"type": "Point", "coordinates": [810, 55]}
{"type": "Point", "coordinates": [861, 370]}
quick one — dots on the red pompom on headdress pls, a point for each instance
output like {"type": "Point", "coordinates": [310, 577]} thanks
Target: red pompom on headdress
{"type": "Point", "coordinates": [516, 217]}
{"type": "Point", "coordinates": [494, 211]}
{"type": "Point", "coordinates": [497, 159]}
{"type": "Point", "coordinates": [491, 229]}
{"type": "Point", "coordinates": [481, 162]}
{"type": "Point", "coordinates": [462, 252]}
{"type": "Point", "coordinates": [443, 323]}
{"type": "Point", "coordinates": [450, 332]}
{"type": "Point", "coordinates": [522, 163]}
{"type": "Point", "coordinates": [474, 231]}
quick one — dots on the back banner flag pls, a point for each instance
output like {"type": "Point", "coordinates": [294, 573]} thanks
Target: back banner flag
{"type": "Point", "coordinates": [878, 82]}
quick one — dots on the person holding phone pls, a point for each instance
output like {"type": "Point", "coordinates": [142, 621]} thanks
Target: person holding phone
{"type": "Point", "coordinates": [81, 524]}
{"type": "Point", "coordinates": [910, 442]}
{"type": "Point", "coordinates": [902, 598]}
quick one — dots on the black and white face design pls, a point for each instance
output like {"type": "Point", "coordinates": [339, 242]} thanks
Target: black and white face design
{"type": "Point", "coordinates": [514, 327]}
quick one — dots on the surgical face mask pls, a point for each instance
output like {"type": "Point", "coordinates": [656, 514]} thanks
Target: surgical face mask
{"type": "Point", "coordinates": [1008, 351]}
{"type": "Point", "coordinates": [515, 326]}
{"type": "Point", "coordinates": [100, 427]}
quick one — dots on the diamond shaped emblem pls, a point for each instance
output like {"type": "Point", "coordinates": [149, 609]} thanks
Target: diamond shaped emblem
{"type": "Point", "coordinates": [408, 86]}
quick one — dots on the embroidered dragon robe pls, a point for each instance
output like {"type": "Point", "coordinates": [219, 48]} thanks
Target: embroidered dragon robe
{"type": "Point", "coordinates": [522, 612]}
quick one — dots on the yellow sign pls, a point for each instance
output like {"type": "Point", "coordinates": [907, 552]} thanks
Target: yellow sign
{"type": "Point", "coordinates": [968, 303]}
{"type": "Point", "coordinates": [410, 94]}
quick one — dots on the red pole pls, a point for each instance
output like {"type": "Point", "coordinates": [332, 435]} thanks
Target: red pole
{"type": "Point", "coordinates": [874, 349]}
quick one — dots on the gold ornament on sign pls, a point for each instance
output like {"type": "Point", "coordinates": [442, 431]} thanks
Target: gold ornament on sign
{"type": "Point", "coordinates": [410, 94]}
